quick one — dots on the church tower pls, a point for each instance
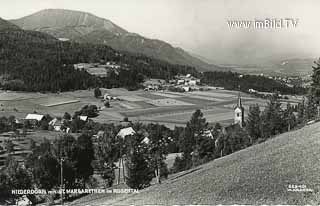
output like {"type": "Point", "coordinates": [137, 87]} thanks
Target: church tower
{"type": "Point", "coordinates": [239, 112]}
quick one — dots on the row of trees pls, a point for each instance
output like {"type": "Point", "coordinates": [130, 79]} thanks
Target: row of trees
{"type": "Point", "coordinates": [232, 81]}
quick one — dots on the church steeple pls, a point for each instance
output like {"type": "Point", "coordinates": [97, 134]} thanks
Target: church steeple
{"type": "Point", "coordinates": [239, 112]}
{"type": "Point", "coordinates": [239, 104]}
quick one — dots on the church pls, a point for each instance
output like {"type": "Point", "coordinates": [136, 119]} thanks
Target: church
{"type": "Point", "coordinates": [239, 112]}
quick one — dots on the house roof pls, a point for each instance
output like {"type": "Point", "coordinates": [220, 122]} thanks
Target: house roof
{"type": "Point", "coordinates": [37, 117]}
{"type": "Point", "coordinates": [146, 140]}
{"type": "Point", "coordinates": [126, 132]}
{"type": "Point", "coordinates": [83, 118]}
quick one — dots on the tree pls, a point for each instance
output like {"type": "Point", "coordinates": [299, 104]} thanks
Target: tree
{"type": "Point", "coordinates": [107, 153]}
{"type": "Point", "coordinates": [139, 172]}
{"type": "Point", "coordinates": [14, 176]}
{"type": "Point", "coordinates": [83, 158]}
{"type": "Point", "coordinates": [157, 148]}
{"type": "Point", "coordinates": [197, 123]}
{"type": "Point", "coordinates": [272, 118]}
{"type": "Point", "coordinates": [97, 92]}
{"type": "Point", "coordinates": [254, 122]}
{"type": "Point", "coordinates": [107, 104]}
{"type": "Point", "coordinates": [33, 145]}
{"type": "Point", "coordinates": [301, 112]}
{"type": "Point", "coordinates": [9, 146]}
{"type": "Point", "coordinates": [46, 171]}
{"type": "Point", "coordinates": [313, 96]}
{"type": "Point", "coordinates": [67, 116]}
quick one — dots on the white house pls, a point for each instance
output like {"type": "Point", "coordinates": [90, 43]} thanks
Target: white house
{"type": "Point", "coordinates": [56, 124]}
{"type": "Point", "coordinates": [180, 81]}
{"type": "Point", "coordinates": [208, 134]}
{"type": "Point", "coordinates": [83, 118]}
{"type": "Point", "coordinates": [186, 89]}
{"type": "Point", "coordinates": [37, 117]}
{"type": "Point", "coordinates": [126, 132]}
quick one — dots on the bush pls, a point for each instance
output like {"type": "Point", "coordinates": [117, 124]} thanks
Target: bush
{"type": "Point", "coordinates": [97, 93]}
{"type": "Point", "coordinates": [181, 164]}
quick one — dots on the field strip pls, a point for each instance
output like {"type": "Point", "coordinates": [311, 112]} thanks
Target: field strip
{"type": "Point", "coordinates": [190, 112]}
{"type": "Point", "coordinates": [206, 98]}
{"type": "Point", "coordinates": [213, 94]}
{"type": "Point", "coordinates": [133, 98]}
{"type": "Point", "coordinates": [167, 95]}
{"type": "Point", "coordinates": [128, 105]}
{"type": "Point", "coordinates": [60, 103]}
{"type": "Point", "coordinates": [167, 102]}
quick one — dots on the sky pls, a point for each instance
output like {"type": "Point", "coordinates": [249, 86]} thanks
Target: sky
{"type": "Point", "coordinates": [200, 26]}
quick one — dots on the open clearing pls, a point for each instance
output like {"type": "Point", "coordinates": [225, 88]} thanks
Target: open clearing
{"type": "Point", "coordinates": [168, 108]}
{"type": "Point", "coordinates": [261, 174]}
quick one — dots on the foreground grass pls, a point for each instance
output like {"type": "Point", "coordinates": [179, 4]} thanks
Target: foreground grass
{"type": "Point", "coordinates": [260, 174]}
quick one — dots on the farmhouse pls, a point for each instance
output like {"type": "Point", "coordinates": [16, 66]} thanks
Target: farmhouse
{"type": "Point", "coordinates": [83, 118]}
{"type": "Point", "coordinates": [126, 132]}
{"type": "Point", "coordinates": [187, 80]}
{"type": "Point", "coordinates": [56, 124]}
{"type": "Point", "coordinates": [98, 135]}
{"type": "Point", "coordinates": [37, 117]}
{"type": "Point", "coordinates": [207, 133]}
{"type": "Point", "coordinates": [34, 119]}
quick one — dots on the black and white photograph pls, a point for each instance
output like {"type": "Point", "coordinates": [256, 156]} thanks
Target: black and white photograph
{"type": "Point", "coordinates": [159, 102]}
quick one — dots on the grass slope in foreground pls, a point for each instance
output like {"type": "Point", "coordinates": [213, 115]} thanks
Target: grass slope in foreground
{"type": "Point", "coordinates": [256, 175]}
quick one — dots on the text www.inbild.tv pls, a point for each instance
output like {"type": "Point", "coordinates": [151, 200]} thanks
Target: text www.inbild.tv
{"type": "Point", "coordinates": [268, 23]}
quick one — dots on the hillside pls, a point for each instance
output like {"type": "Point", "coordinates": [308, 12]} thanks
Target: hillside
{"type": "Point", "coordinates": [257, 175]}
{"type": "Point", "coordinates": [5, 25]}
{"type": "Point", "coordinates": [85, 27]}
{"type": "Point", "coordinates": [35, 61]}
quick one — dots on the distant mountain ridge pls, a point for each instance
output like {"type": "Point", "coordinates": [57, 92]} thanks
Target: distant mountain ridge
{"type": "Point", "coordinates": [85, 27]}
{"type": "Point", "coordinates": [6, 25]}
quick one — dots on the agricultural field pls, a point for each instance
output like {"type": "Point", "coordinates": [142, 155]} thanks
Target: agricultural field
{"type": "Point", "coordinates": [163, 107]}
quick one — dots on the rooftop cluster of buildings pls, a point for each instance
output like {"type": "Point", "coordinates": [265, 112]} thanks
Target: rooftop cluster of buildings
{"type": "Point", "coordinates": [183, 83]}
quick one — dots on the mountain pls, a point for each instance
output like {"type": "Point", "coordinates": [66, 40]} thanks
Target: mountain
{"type": "Point", "coordinates": [88, 28]}
{"type": "Point", "coordinates": [258, 175]}
{"type": "Point", "coordinates": [5, 25]}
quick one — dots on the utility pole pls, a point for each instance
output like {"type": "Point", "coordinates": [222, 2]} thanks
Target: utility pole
{"type": "Point", "coordinates": [61, 186]}
{"type": "Point", "coordinates": [119, 165]}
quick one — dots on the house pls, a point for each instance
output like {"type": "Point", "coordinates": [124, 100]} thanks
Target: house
{"type": "Point", "coordinates": [83, 118]}
{"type": "Point", "coordinates": [107, 96]}
{"type": "Point", "coordinates": [37, 117]}
{"type": "Point", "coordinates": [146, 140]}
{"type": "Point", "coordinates": [180, 81]}
{"type": "Point", "coordinates": [56, 124]}
{"type": "Point", "coordinates": [207, 133]}
{"type": "Point", "coordinates": [98, 135]}
{"type": "Point", "coordinates": [126, 132]}
{"type": "Point", "coordinates": [34, 119]}
{"type": "Point", "coordinates": [192, 83]}
{"type": "Point", "coordinates": [186, 89]}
